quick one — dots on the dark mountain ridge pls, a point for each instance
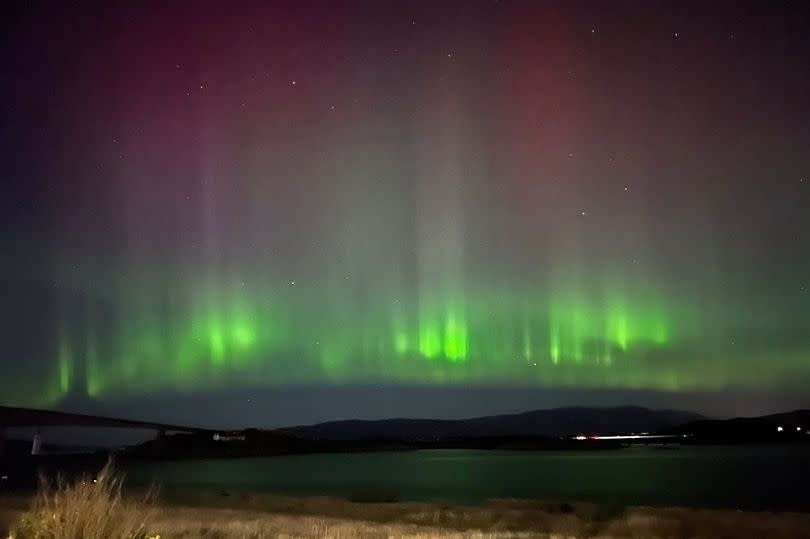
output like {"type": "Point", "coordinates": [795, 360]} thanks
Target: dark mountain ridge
{"type": "Point", "coordinates": [556, 429]}
{"type": "Point", "coordinates": [782, 427]}
{"type": "Point", "coordinates": [551, 429]}
{"type": "Point", "coordinates": [556, 422]}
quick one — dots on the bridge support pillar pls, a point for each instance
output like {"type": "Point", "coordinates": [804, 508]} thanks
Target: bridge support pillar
{"type": "Point", "coordinates": [36, 444]}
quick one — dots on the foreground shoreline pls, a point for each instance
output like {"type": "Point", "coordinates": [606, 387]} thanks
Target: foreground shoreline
{"type": "Point", "coordinates": [211, 513]}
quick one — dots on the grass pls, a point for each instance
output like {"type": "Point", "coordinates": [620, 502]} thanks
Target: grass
{"type": "Point", "coordinates": [99, 509]}
{"type": "Point", "coordinates": [88, 508]}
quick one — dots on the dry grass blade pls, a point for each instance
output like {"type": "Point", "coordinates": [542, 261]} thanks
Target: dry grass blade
{"type": "Point", "coordinates": [90, 508]}
{"type": "Point", "coordinates": [94, 508]}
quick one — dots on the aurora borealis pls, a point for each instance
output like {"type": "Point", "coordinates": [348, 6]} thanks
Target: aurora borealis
{"type": "Point", "coordinates": [547, 196]}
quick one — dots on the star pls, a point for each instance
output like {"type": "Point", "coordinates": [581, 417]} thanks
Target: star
{"type": "Point", "coordinates": [583, 212]}
{"type": "Point", "coordinates": [292, 283]}
{"type": "Point", "coordinates": [593, 30]}
{"type": "Point", "coordinates": [293, 83]}
{"type": "Point", "coordinates": [626, 188]}
{"type": "Point", "coordinates": [676, 34]}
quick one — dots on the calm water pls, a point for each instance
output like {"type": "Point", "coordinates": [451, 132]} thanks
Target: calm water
{"type": "Point", "coordinates": [752, 477]}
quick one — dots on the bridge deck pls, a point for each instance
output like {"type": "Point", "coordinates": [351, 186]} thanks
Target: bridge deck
{"type": "Point", "coordinates": [29, 417]}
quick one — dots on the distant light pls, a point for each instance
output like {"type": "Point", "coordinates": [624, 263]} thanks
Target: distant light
{"type": "Point", "coordinates": [779, 429]}
{"type": "Point", "coordinates": [799, 429]}
{"type": "Point", "coordinates": [634, 437]}
{"type": "Point", "coordinates": [581, 438]}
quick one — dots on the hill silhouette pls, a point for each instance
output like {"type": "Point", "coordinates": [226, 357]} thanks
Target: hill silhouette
{"type": "Point", "coordinates": [782, 427]}
{"type": "Point", "coordinates": [556, 422]}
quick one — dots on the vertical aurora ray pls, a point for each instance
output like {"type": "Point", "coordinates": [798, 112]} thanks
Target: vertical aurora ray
{"type": "Point", "coordinates": [430, 341]}
{"type": "Point", "coordinates": [92, 361]}
{"type": "Point", "coordinates": [554, 344]}
{"type": "Point", "coordinates": [65, 362]}
{"type": "Point", "coordinates": [455, 338]}
{"type": "Point", "coordinates": [399, 330]}
{"type": "Point", "coordinates": [526, 334]}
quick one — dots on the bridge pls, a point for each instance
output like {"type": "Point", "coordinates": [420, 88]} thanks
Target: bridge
{"type": "Point", "coordinates": [12, 417]}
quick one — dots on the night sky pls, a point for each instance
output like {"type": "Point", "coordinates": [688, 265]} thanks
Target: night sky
{"type": "Point", "coordinates": [267, 213]}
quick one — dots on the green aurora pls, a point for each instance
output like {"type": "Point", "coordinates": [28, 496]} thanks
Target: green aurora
{"type": "Point", "coordinates": [509, 199]}
{"type": "Point", "coordinates": [598, 333]}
